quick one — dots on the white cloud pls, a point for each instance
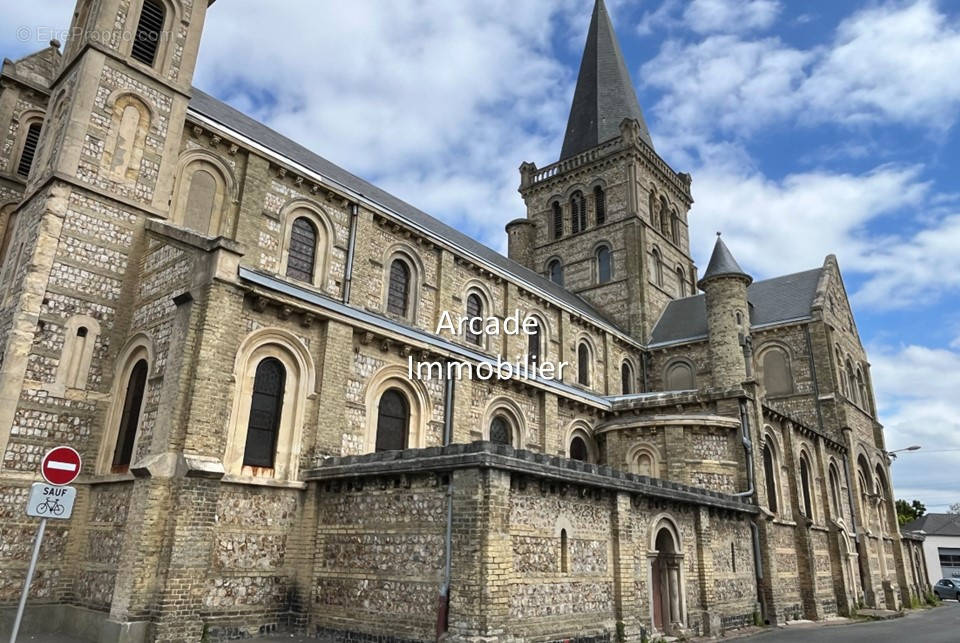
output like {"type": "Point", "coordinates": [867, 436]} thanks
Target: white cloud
{"type": "Point", "coordinates": [890, 63]}
{"type": "Point", "coordinates": [730, 16]}
{"type": "Point", "coordinates": [777, 227]}
{"type": "Point", "coordinates": [916, 388]}
{"type": "Point", "coordinates": [884, 65]}
{"type": "Point", "coordinates": [710, 16]}
{"type": "Point", "coordinates": [438, 101]}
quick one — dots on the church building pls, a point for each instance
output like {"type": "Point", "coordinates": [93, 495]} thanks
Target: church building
{"type": "Point", "coordinates": [222, 323]}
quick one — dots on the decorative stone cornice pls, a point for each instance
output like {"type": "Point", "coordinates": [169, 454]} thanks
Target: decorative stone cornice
{"type": "Point", "coordinates": [487, 455]}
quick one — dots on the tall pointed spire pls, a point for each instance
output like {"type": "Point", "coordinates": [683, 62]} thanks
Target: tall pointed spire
{"type": "Point", "coordinates": [605, 94]}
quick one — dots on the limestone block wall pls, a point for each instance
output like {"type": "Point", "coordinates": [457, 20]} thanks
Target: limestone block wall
{"type": "Point", "coordinates": [695, 354]}
{"type": "Point", "coordinates": [801, 403]}
{"type": "Point", "coordinates": [783, 570]}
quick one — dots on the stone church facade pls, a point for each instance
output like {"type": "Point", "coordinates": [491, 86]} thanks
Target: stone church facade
{"type": "Point", "coordinates": [220, 321]}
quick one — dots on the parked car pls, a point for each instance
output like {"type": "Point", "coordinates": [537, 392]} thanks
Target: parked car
{"type": "Point", "coordinates": [947, 588]}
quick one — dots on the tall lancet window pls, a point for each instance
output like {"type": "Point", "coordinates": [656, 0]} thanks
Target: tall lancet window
{"type": "Point", "coordinates": [600, 204]}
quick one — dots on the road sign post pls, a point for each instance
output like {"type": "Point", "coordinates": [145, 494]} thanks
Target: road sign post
{"type": "Point", "coordinates": [50, 499]}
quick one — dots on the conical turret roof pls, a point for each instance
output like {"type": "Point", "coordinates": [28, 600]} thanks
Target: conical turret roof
{"type": "Point", "coordinates": [722, 264]}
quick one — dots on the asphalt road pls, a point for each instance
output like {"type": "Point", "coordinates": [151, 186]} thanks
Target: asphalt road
{"type": "Point", "coordinates": [937, 625]}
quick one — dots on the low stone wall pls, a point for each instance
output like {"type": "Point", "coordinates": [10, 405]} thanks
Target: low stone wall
{"type": "Point", "coordinates": [543, 548]}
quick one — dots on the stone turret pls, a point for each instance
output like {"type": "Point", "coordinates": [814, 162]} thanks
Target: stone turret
{"type": "Point", "coordinates": [728, 316]}
{"type": "Point", "coordinates": [520, 241]}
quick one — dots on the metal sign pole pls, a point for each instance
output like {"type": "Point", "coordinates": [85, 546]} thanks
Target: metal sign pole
{"type": "Point", "coordinates": [26, 585]}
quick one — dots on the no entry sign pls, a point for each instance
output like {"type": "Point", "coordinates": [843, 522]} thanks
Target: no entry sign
{"type": "Point", "coordinates": [60, 466]}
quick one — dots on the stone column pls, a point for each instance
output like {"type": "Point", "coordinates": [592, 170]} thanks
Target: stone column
{"type": "Point", "coordinates": [674, 580]}
{"type": "Point", "coordinates": [626, 602]}
{"type": "Point", "coordinates": [482, 564]}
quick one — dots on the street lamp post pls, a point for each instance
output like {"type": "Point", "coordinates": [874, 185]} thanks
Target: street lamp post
{"type": "Point", "coordinates": [892, 455]}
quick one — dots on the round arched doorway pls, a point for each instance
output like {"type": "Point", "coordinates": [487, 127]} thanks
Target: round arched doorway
{"type": "Point", "coordinates": [666, 592]}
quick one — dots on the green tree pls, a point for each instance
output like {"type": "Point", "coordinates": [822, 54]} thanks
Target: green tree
{"type": "Point", "coordinates": [909, 512]}
{"type": "Point", "coordinates": [954, 508]}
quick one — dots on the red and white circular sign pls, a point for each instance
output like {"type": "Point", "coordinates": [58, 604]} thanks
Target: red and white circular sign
{"type": "Point", "coordinates": [60, 466]}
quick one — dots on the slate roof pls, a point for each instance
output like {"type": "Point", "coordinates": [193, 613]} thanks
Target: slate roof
{"type": "Point", "coordinates": [604, 95]}
{"type": "Point", "coordinates": [772, 300]}
{"type": "Point", "coordinates": [722, 264]}
{"type": "Point", "coordinates": [218, 111]}
{"type": "Point", "coordinates": [935, 525]}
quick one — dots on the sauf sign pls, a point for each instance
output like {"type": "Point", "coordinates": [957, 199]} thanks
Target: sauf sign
{"type": "Point", "coordinates": [50, 499]}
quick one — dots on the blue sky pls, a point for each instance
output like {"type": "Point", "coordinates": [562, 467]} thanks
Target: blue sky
{"type": "Point", "coordinates": [809, 128]}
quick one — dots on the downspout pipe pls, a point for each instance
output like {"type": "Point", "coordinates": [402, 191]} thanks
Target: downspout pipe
{"type": "Point", "coordinates": [443, 600]}
{"type": "Point", "coordinates": [747, 449]}
{"type": "Point", "coordinates": [751, 492]}
{"type": "Point", "coordinates": [351, 248]}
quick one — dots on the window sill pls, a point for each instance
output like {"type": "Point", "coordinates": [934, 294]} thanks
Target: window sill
{"type": "Point", "coordinates": [108, 478]}
{"type": "Point", "coordinates": [263, 482]}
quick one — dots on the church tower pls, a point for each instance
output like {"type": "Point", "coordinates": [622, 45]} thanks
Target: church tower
{"type": "Point", "coordinates": [608, 220]}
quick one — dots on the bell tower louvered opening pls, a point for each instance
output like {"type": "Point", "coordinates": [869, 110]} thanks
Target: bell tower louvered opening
{"type": "Point", "coordinates": [146, 42]}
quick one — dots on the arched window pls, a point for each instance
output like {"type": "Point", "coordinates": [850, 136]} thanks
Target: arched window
{"type": "Point", "coordinates": [600, 204]}
{"type": "Point", "coordinates": [393, 421]}
{"type": "Point", "coordinates": [200, 202]}
{"type": "Point", "coordinates": [557, 220]}
{"type": "Point", "coordinates": [835, 491]}
{"type": "Point", "coordinates": [533, 343]}
{"type": "Point", "coordinates": [652, 205]}
{"type": "Point", "coordinates": [657, 267]}
{"type": "Point", "coordinates": [302, 252]}
{"type": "Point", "coordinates": [578, 212]}
{"type": "Point", "coordinates": [626, 378]}
{"type": "Point", "coordinates": [679, 377]}
{"type": "Point", "coordinates": [29, 149]}
{"type": "Point", "coordinates": [806, 494]}
{"type": "Point", "coordinates": [578, 449]}
{"type": "Point", "coordinates": [645, 464]}
{"type": "Point", "coordinates": [861, 389]}
{"type": "Point", "coordinates": [583, 364]}
{"type": "Point", "coordinates": [664, 217]}
{"type": "Point", "coordinates": [398, 291]}
{"type": "Point", "coordinates": [604, 264]}
{"type": "Point", "coordinates": [564, 563]}
{"type": "Point", "coordinates": [555, 270]}
{"type": "Point", "coordinates": [770, 477]}
{"type": "Point", "coordinates": [474, 310]}
{"type": "Point", "coordinates": [681, 282]}
{"type": "Point", "coordinates": [266, 404]}
{"type": "Point", "coordinates": [130, 417]}
{"type": "Point", "coordinates": [146, 41]}
{"type": "Point", "coordinates": [851, 386]}
{"type": "Point", "coordinates": [80, 336]}
{"type": "Point", "coordinates": [123, 149]}
{"type": "Point", "coordinates": [843, 376]}
{"type": "Point", "coordinates": [777, 379]}
{"type": "Point", "coordinates": [9, 229]}
{"type": "Point", "coordinates": [500, 431]}
{"type": "Point", "coordinates": [675, 227]}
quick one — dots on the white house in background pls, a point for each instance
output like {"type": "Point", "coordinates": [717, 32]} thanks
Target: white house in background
{"type": "Point", "coordinates": [941, 545]}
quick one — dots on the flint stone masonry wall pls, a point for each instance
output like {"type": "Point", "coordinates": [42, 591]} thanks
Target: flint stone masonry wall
{"type": "Point", "coordinates": [380, 539]}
